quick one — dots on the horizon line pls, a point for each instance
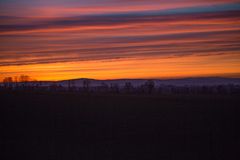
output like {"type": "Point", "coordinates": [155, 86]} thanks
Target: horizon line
{"type": "Point", "coordinates": [180, 78]}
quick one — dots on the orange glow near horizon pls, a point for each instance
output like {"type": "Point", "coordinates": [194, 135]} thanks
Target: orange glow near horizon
{"type": "Point", "coordinates": [169, 67]}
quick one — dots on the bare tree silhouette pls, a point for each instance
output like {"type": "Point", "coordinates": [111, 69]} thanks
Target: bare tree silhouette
{"type": "Point", "coordinates": [24, 78]}
{"type": "Point", "coordinates": [71, 85]}
{"type": "Point", "coordinates": [128, 87]}
{"type": "Point", "coordinates": [86, 85]}
{"type": "Point", "coordinates": [150, 86]}
{"type": "Point", "coordinates": [8, 81]}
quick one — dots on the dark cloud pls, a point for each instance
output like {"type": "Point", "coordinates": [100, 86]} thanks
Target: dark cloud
{"type": "Point", "coordinates": [115, 19]}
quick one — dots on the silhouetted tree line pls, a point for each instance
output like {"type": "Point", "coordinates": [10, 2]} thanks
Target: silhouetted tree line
{"type": "Point", "coordinates": [24, 82]}
{"type": "Point", "coordinates": [17, 81]}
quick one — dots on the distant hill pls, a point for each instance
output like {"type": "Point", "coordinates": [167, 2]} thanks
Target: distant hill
{"type": "Point", "coordinates": [209, 81]}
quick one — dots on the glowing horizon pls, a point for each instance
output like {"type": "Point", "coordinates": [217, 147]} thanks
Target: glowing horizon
{"type": "Point", "coordinates": [62, 39]}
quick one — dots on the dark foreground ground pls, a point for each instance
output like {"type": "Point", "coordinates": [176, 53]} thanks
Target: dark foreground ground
{"type": "Point", "coordinates": [69, 126]}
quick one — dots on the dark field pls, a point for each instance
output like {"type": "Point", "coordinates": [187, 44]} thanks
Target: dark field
{"type": "Point", "coordinates": [69, 126]}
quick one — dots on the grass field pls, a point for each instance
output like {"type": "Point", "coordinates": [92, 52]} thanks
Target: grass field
{"type": "Point", "coordinates": [71, 126]}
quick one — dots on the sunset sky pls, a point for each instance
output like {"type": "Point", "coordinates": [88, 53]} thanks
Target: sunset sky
{"type": "Point", "coordinates": [111, 39]}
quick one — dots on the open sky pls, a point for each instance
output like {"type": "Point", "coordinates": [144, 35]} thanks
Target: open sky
{"type": "Point", "coordinates": [110, 39]}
